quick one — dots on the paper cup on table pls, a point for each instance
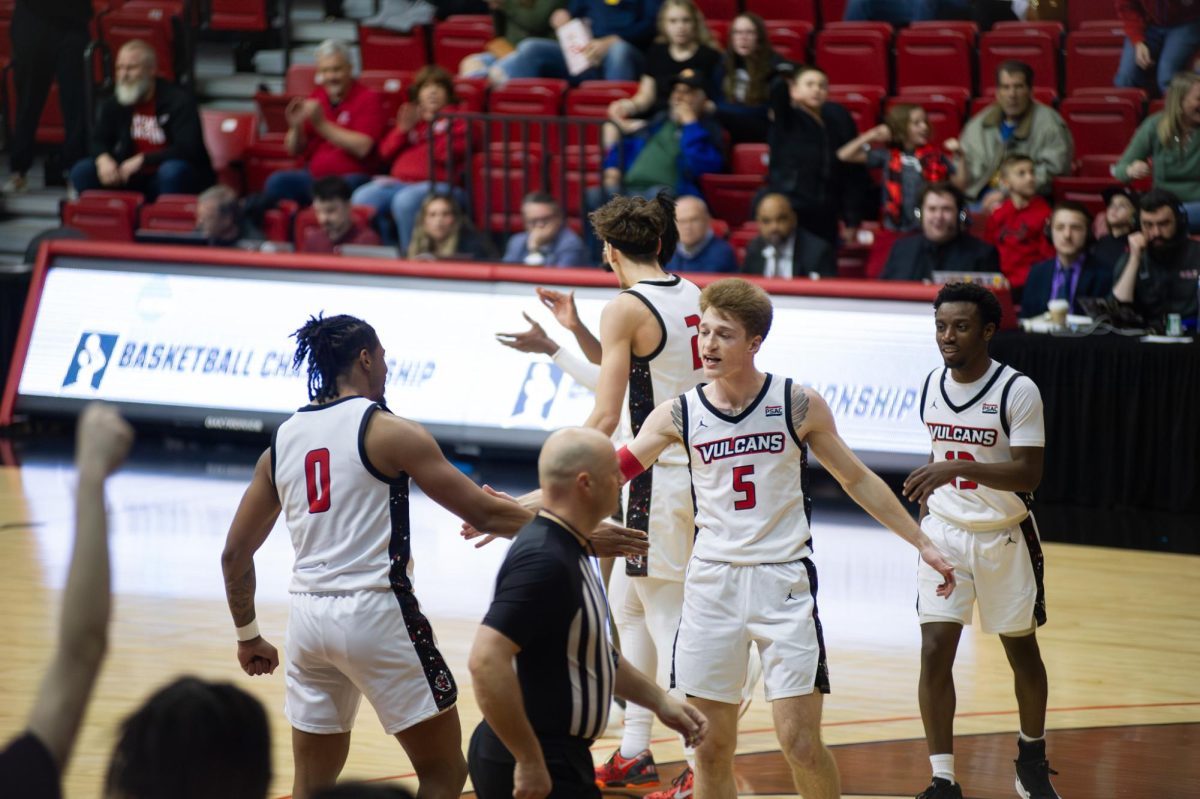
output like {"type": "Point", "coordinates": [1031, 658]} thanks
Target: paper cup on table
{"type": "Point", "coordinates": [1058, 311]}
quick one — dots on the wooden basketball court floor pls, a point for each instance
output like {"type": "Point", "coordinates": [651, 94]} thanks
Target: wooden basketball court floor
{"type": "Point", "coordinates": [1122, 647]}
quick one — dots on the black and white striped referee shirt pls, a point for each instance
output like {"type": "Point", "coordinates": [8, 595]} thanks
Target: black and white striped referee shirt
{"type": "Point", "coordinates": [549, 601]}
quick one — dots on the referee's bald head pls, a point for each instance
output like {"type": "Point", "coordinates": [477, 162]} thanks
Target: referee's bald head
{"type": "Point", "coordinates": [573, 451]}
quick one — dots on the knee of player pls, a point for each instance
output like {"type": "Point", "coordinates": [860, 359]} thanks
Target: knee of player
{"type": "Point", "coordinates": [805, 750]}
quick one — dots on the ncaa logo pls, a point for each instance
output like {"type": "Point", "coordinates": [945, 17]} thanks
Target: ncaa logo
{"type": "Point", "coordinates": [538, 391]}
{"type": "Point", "coordinates": [90, 361]}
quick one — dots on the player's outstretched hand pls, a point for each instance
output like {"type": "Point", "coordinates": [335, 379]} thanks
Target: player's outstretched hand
{"type": "Point", "coordinates": [611, 540]}
{"type": "Point", "coordinates": [532, 340]}
{"type": "Point", "coordinates": [102, 440]}
{"type": "Point", "coordinates": [562, 305]}
{"type": "Point", "coordinates": [938, 562]}
{"type": "Point", "coordinates": [531, 780]}
{"type": "Point", "coordinates": [469, 533]}
{"type": "Point", "coordinates": [257, 656]}
{"type": "Point", "coordinates": [685, 719]}
{"type": "Point", "coordinates": [924, 481]}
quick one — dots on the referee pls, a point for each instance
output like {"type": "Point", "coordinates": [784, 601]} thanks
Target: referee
{"type": "Point", "coordinates": [549, 614]}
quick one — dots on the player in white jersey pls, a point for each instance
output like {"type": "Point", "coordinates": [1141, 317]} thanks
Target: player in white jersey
{"type": "Point", "coordinates": [750, 581]}
{"type": "Point", "coordinates": [339, 469]}
{"type": "Point", "coordinates": [985, 420]}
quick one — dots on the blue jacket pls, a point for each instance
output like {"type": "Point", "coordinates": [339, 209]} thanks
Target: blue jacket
{"type": "Point", "coordinates": [1095, 280]}
{"type": "Point", "coordinates": [568, 249]}
{"type": "Point", "coordinates": [635, 21]}
{"type": "Point", "coordinates": [700, 151]}
{"type": "Point", "coordinates": [715, 256]}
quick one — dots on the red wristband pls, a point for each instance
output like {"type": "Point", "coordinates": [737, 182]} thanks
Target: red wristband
{"type": "Point", "coordinates": [631, 467]}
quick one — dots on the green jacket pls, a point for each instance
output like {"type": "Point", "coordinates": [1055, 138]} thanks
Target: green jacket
{"type": "Point", "coordinates": [1041, 134]}
{"type": "Point", "coordinates": [522, 19]}
{"type": "Point", "coordinates": [1174, 168]}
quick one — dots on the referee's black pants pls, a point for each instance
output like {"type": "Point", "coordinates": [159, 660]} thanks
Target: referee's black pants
{"type": "Point", "coordinates": [568, 759]}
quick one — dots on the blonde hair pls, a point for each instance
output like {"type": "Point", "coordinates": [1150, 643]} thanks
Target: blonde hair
{"type": "Point", "coordinates": [699, 26]}
{"type": "Point", "coordinates": [422, 243]}
{"type": "Point", "coordinates": [741, 301]}
{"type": "Point", "coordinates": [1171, 127]}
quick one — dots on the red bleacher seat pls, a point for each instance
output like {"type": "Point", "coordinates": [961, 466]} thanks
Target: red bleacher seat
{"type": "Point", "coordinates": [965, 27]}
{"type": "Point", "coordinates": [102, 219]}
{"type": "Point", "coordinates": [719, 28]}
{"type": "Point", "coordinates": [384, 49]}
{"type": "Point", "coordinates": [170, 212]}
{"type": "Point", "coordinates": [392, 87]}
{"type": "Point", "coordinates": [790, 38]}
{"type": "Point", "coordinates": [1092, 58]}
{"type": "Point", "coordinates": [1033, 46]}
{"type": "Point", "coordinates": [265, 155]}
{"type": "Point", "coordinates": [1085, 190]}
{"type": "Point", "coordinates": [5, 37]}
{"type": "Point", "coordinates": [731, 197]}
{"type": "Point", "coordinates": [472, 93]}
{"type": "Point", "coordinates": [832, 10]}
{"type": "Point", "coordinates": [528, 97]}
{"type": "Point", "coordinates": [277, 222]}
{"type": "Point", "coordinates": [227, 134]}
{"type": "Point", "coordinates": [861, 101]}
{"type": "Point", "coordinates": [300, 81]}
{"type": "Point", "coordinates": [718, 9]}
{"type": "Point", "coordinates": [1100, 124]}
{"type": "Point", "coordinates": [130, 200]}
{"type": "Point", "coordinates": [1113, 25]}
{"type": "Point", "coordinates": [237, 15]}
{"type": "Point", "coordinates": [149, 22]}
{"type": "Point", "coordinates": [459, 36]}
{"type": "Point", "coordinates": [882, 28]}
{"type": "Point", "coordinates": [570, 170]}
{"type": "Point", "coordinates": [853, 55]}
{"type": "Point", "coordinates": [1096, 165]}
{"type": "Point", "coordinates": [591, 99]}
{"type": "Point", "coordinates": [784, 9]}
{"type": "Point", "coordinates": [1156, 105]}
{"type": "Point", "coordinates": [493, 186]}
{"type": "Point", "coordinates": [852, 261]}
{"type": "Point", "coordinates": [307, 218]}
{"type": "Point", "coordinates": [1133, 97]}
{"type": "Point", "coordinates": [1047, 26]}
{"type": "Point", "coordinates": [750, 159]}
{"type": "Point", "coordinates": [926, 56]}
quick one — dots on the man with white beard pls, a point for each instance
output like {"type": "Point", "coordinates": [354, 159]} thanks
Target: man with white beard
{"type": "Point", "coordinates": [147, 136]}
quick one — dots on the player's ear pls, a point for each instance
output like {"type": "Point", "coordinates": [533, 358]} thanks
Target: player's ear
{"type": "Point", "coordinates": [755, 344]}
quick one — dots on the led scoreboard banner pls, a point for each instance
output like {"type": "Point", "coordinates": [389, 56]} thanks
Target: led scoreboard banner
{"type": "Point", "coordinates": [200, 336]}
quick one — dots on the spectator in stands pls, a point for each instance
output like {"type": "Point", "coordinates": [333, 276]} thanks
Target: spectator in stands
{"type": "Point", "coordinates": [1017, 227]}
{"type": "Point", "coordinates": [444, 232]}
{"type": "Point", "coordinates": [804, 137]}
{"type": "Point", "coordinates": [1158, 275]}
{"type": "Point", "coordinates": [1120, 217]}
{"type": "Point", "coordinates": [699, 248]}
{"type": "Point", "coordinates": [514, 22]}
{"type": "Point", "coordinates": [683, 44]}
{"type": "Point", "coordinates": [1166, 33]}
{"type": "Point", "coordinates": [193, 738]}
{"type": "Point", "coordinates": [546, 240]}
{"type": "Point", "coordinates": [147, 136]}
{"type": "Point", "coordinates": [672, 151]}
{"type": "Point", "coordinates": [749, 65]}
{"type": "Point", "coordinates": [1170, 140]}
{"type": "Point", "coordinates": [1015, 123]}
{"type": "Point", "coordinates": [902, 12]}
{"type": "Point", "coordinates": [943, 245]}
{"type": "Point", "coordinates": [33, 763]}
{"type": "Point", "coordinates": [620, 33]}
{"type": "Point", "coordinates": [1074, 271]}
{"type": "Point", "coordinates": [783, 248]}
{"type": "Point", "coordinates": [219, 217]}
{"type": "Point", "coordinates": [333, 131]}
{"type": "Point", "coordinates": [48, 40]}
{"type": "Point", "coordinates": [397, 196]}
{"type": "Point", "coordinates": [335, 223]}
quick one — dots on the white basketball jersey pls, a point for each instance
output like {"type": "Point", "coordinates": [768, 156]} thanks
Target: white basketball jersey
{"type": "Point", "coordinates": [749, 478]}
{"type": "Point", "coordinates": [981, 422]}
{"type": "Point", "coordinates": [349, 522]}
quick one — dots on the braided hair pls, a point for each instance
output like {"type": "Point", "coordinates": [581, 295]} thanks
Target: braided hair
{"type": "Point", "coordinates": [329, 345]}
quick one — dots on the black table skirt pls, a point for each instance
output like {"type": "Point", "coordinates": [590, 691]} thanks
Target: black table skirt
{"type": "Point", "coordinates": [1122, 418]}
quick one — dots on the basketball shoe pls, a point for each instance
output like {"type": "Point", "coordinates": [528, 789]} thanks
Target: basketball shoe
{"type": "Point", "coordinates": [681, 787]}
{"type": "Point", "coordinates": [1033, 771]}
{"type": "Point", "coordinates": [941, 789]}
{"type": "Point", "coordinates": [638, 771]}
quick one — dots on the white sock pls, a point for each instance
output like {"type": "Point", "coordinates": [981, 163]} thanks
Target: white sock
{"type": "Point", "coordinates": [689, 754]}
{"type": "Point", "coordinates": [1029, 739]}
{"type": "Point", "coordinates": [943, 766]}
{"type": "Point", "coordinates": [638, 723]}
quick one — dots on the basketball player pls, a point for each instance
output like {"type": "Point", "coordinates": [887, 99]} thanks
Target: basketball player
{"type": "Point", "coordinates": [750, 581]}
{"type": "Point", "coordinates": [339, 470]}
{"type": "Point", "coordinates": [988, 437]}
{"type": "Point", "coordinates": [648, 354]}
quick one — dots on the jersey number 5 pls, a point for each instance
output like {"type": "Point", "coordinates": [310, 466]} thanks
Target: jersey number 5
{"type": "Point", "coordinates": [744, 487]}
{"type": "Point", "coordinates": [959, 483]}
{"type": "Point", "coordinates": [693, 320]}
{"type": "Point", "coordinates": [316, 478]}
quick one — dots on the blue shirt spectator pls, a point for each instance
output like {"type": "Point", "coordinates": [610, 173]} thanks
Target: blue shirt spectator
{"type": "Point", "coordinates": [699, 248]}
{"type": "Point", "coordinates": [546, 240]}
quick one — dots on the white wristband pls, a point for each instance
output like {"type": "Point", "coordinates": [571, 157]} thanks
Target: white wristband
{"type": "Point", "coordinates": [249, 631]}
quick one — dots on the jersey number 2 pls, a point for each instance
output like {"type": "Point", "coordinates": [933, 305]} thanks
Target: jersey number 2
{"type": "Point", "coordinates": [959, 483]}
{"type": "Point", "coordinates": [693, 320]}
{"type": "Point", "coordinates": [745, 487]}
{"type": "Point", "coordinates": [316, 478]}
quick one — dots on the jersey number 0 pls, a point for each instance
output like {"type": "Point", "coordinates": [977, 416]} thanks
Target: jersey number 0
{"type": "Point", "coordinates": [316, 478]}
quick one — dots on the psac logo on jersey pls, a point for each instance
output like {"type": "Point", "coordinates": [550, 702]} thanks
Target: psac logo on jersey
{"type": "Point", "coordinates": [991, 407]}
{"type": "Point", "coordinates": [774, 410]}
{"type": "Point", "coordinates": [981, 436]}
{"type": "Point", "coordinates": [740, 445]}
{"type": "Point", "coordinates": [90, 360]}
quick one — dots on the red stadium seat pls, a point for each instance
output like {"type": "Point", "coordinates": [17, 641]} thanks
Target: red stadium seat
{"type": "Point", "coordinates": [861, 101]}
{"type": "Point", "coordinates": [130, 200]}
{"type": "Point", "coordinates": [1099, 125]}
{"type": "Point", "coordinates": [1033, 46]}
{"type": "Point", "coordinates": [176, 212]}
{"type": "Point", "coordinates": [392, 87]}
{"type": "Point", "coordinates": [571, 170]}
{"type": "Point", "coordinates": [852, 261]}
{"type": "Point", "coordinates": [528, 97]}
{"type": "Point", "coordinates": [149, 22]}
{"type": "Point", "coordinates": [1092, 58]}
{"type": "Point", "coordinates": [784, 9]}
{"type": "Point", "coordinates": [102, 219]}
{"type": "Point", "coordinates": [277, 222]}
{"type": "Point", "coordinates": [459, 36]}
{"type": "Point", "coordinates": [853, 55]}
{"type": "Point", "coordinates": [750, 159]}
{"type": "Point", "coordinates": [1112, 25]}
{"type": "Point", "coordinates": [499, 177]}
{"type": "Point", "coordinates": [718, 9]}
{"type": "Point", "coordinates": [472, 93]}
{"type": "Point", "coordinates": [1156, 105]}
{"type": "Point", "coordinates": [719, 28]}
{"type": "Point", "coordinates": [5, 37]}
{"type": "Point", "coordinates": [307, 218]}
{"type": "Point", "coordinates": [882, 28]}
{"type": "Point", "coordinates": [590, 99]}
{"type": "Point", "coordinates": [383, 49]}
{"type": "Point", "coordinates": [966, 28]}
{"type": "Point", "coordinates": [300, 81]}
{"type": "Point", "coordinates": [1047, 26]}
{"type": "Point", "coordinates": [926, 56]}
{"type": "Point", "coordinates": [731, 197]}
{"type": "Point", "coordinates": [790, 38]}
{"type": "Point", "coordinates": [832, 10]}
{"type": "Point", "coordinates": [265, 155]}
{"type": "Point", "coordinates": [237, 15]}
{"type": "Point", "coordinates": [227, 134]}
{"type": "Point", "coordinates": [1083, 190]}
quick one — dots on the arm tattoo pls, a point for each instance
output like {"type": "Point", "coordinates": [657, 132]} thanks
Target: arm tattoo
{"type": "Point", "coordinates": [677, 417]}
{"type": "Point", "coordinates": [799, 408]}
{"type": "Point", "coordinates": [240, 592]}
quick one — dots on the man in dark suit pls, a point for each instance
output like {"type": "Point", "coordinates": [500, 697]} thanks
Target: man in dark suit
{"type": "Point", "coordinates": [1073, 272]}
{"type": "Point", "coordinates": [942, 245]}
{"type": "Point", "coordinates": [782, 248]}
